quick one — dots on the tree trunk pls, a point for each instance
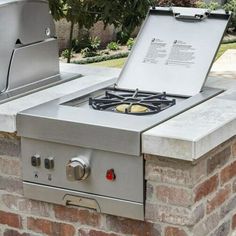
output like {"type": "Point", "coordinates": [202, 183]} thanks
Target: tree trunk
{"type": "Point", "coordinates": [70, 41]}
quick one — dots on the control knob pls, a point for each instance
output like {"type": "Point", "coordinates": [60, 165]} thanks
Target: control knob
{"type": "Point", "coordinates": [77, 170]}
{"type": "Point", "coordinates": [35, 160]}
{"type": "Point", "coordinates": [49, 163]}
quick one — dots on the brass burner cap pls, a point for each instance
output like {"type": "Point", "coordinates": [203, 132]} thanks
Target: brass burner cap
{"type": "Point", "coordinates": [134, 108]}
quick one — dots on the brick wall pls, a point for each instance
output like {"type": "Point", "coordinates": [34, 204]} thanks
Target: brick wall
{"type": "Point", "coordinates": [182, 199]}
{"type": "Point", "coordinates": [195, 199]}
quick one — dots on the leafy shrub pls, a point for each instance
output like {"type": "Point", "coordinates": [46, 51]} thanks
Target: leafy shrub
{"type": "Point", "coordinates": [80, 43]}
{"type": "Point", "coordinates": [87, 52]}
{"type": "Point", "coordinates": [212, 5]}
{"type": "Point", "coordinates": [65, 54]}
{"type": "Point", "coordinates": [113, 46]}
{"type": "Point", "coordinates": [95, 43]}
{"type": "Point", "coordinates": [92, 49]}
{"type": "Point", "coordinates": [180, 3]}
{"type": "Point", "coordinates": [130, 43]}
{"type": "Point", "coordinates": [101, 58]}
{"type": "Point", "coordinates": [231, 6]}
{"type": "Point", "coordinates": [122, 37]}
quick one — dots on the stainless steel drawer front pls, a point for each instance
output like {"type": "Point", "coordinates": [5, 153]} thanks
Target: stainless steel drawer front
{"type": "Point", "coordinates": [98, 203]}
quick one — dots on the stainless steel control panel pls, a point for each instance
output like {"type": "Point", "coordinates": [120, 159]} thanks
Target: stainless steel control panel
{"type": "Point", "coordinates": [76, 171]}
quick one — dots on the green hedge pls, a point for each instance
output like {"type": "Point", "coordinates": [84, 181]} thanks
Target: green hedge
{"type": "Point", "coordinates": [101, 58]}
{"type": "Point", "coordinates": [229, 40]}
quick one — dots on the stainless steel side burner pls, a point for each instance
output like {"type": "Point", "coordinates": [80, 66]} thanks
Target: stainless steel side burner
{"type": "Point", "coordinates": [133, 102]}
{"type": "Point", "coordinates": [85, 149]}
{"type": "Point", "coordinates": [28, 49]}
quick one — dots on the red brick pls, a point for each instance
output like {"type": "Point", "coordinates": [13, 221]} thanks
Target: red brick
{"type": "Point", "coordinates": [234, 222]}
{"type": "Point", "coordinates": [174, 196]}
{"type": "Point", "coordinates": [34, 207]}
{"type": "Point", "coordinates": [218, 160]}
{"type": "Point", "coordinates": [10, 219]}
{"type": "Point", "coordinates": [10, 144]}
{"type": "Point", "coordinates": [166, 174]}
{"type": "Point", "coordinates": [234, 149]}
{"type": "Point", "coordinates": [174, 214]}
{"type": "Point", "coordinates": [228, 207]}
{"type": "Point", "coordinates": [206, 225]}
{"type": "Point", "coordinates": [149, 190]}
{"type": "Point", "coordinates": [11, 232]}
{"type": "Point", "coordinates": [151, 212]}
{"type": "Point", "coordinates": [133, 227]}
{"type": "Point", "coordinates": [77, 215]}
{"type": "Point", "coordinates": [234, 186]}
{"type": "Point", "coordinates": [50, 228]}
{"type": "Point", "coordinates": [10, 166]}
{"type": "Point", "coordinates": [221, 196]}
{"type": "Point", "coordinates": [228, 173]}
{"type": "Point", "coordinates": [174, 231]}
{"type": "Point", "coordinates": [11, 185]}
{"type": "Point", "coordinates": [25, 205]}
{"type": "Point", "coordinates": [207, 187]}
{"type": "Point", "coordinates": [222, 230]}
{"type": "Point", "coordinates": [87, 232]}
{"type": "Point", "coordinates": [165, 170]}
{"type": "Point", "coordinates": [10, 201]}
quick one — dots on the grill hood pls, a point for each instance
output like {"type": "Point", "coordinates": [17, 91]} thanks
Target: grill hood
{"type": "Point", "coordinates": [23, 23]}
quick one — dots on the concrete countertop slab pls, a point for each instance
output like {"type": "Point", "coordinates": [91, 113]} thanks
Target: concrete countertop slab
{"type": "Point", "coordinates": [187, 136]}
{"type": "Point", "coordinates": [94, 78]}
{"type": "Point", "coordinates": [226, 62]}
{"type": "Point", "coordinates": [193, 133]}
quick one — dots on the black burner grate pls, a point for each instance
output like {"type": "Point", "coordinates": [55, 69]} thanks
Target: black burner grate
{"type": "Point", "coordinates": [152, 102]}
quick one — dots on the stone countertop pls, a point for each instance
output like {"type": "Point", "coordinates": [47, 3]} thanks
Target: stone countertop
{"type": "Point", "coordinates": [187, 136]}
{"type": "Point", "coordinates": [104, 76]}
{"type": "Point", "coordinates": [193, 133]}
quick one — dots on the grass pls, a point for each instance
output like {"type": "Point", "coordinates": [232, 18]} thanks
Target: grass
{"type": "Point", "coordinates": [118, 63]}
{"type": "Point", "coordinates": [225, 47]}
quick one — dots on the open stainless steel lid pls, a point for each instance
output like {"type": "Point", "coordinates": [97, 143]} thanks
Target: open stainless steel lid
{"type": "Point", "coordinates": [174, 51]}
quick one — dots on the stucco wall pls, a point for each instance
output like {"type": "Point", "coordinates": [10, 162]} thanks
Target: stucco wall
{"type": "Point", "coordinates": [63, 32]}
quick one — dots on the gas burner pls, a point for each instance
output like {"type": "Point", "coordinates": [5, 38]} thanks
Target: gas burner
{"type": "Point", "coordinates": [132, 102]}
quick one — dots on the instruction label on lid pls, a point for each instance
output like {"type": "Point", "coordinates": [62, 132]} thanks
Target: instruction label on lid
{"type": "Point", "coordinates": [180, 53]}
{"type": "Point", "coordinates": [157, 51]}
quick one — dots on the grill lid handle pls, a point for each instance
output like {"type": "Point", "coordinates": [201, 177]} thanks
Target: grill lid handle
{"type": "Point", "coordinates": [190, 14]}
{"type": "Point", "coordinates": [195, 17]}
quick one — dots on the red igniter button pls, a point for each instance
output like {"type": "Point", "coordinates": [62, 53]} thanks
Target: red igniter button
{"type": "Point", "coordinates": [110, 175]}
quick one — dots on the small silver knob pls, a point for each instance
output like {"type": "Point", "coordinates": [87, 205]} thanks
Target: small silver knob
{"type": "Point", "coordinates": [48, 32]}
{"type": "Point", "coordinates": [77, 170]}
{"type": "Point", "coordinates": [35, 160]}
{"type": "Point", "coordinates": [49, 163]}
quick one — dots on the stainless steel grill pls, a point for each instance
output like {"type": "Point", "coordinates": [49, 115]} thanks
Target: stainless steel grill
{"type": "Point", "coordinates": [28, 49]}
{"type": "Point", "coordinates": [85, 150]}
